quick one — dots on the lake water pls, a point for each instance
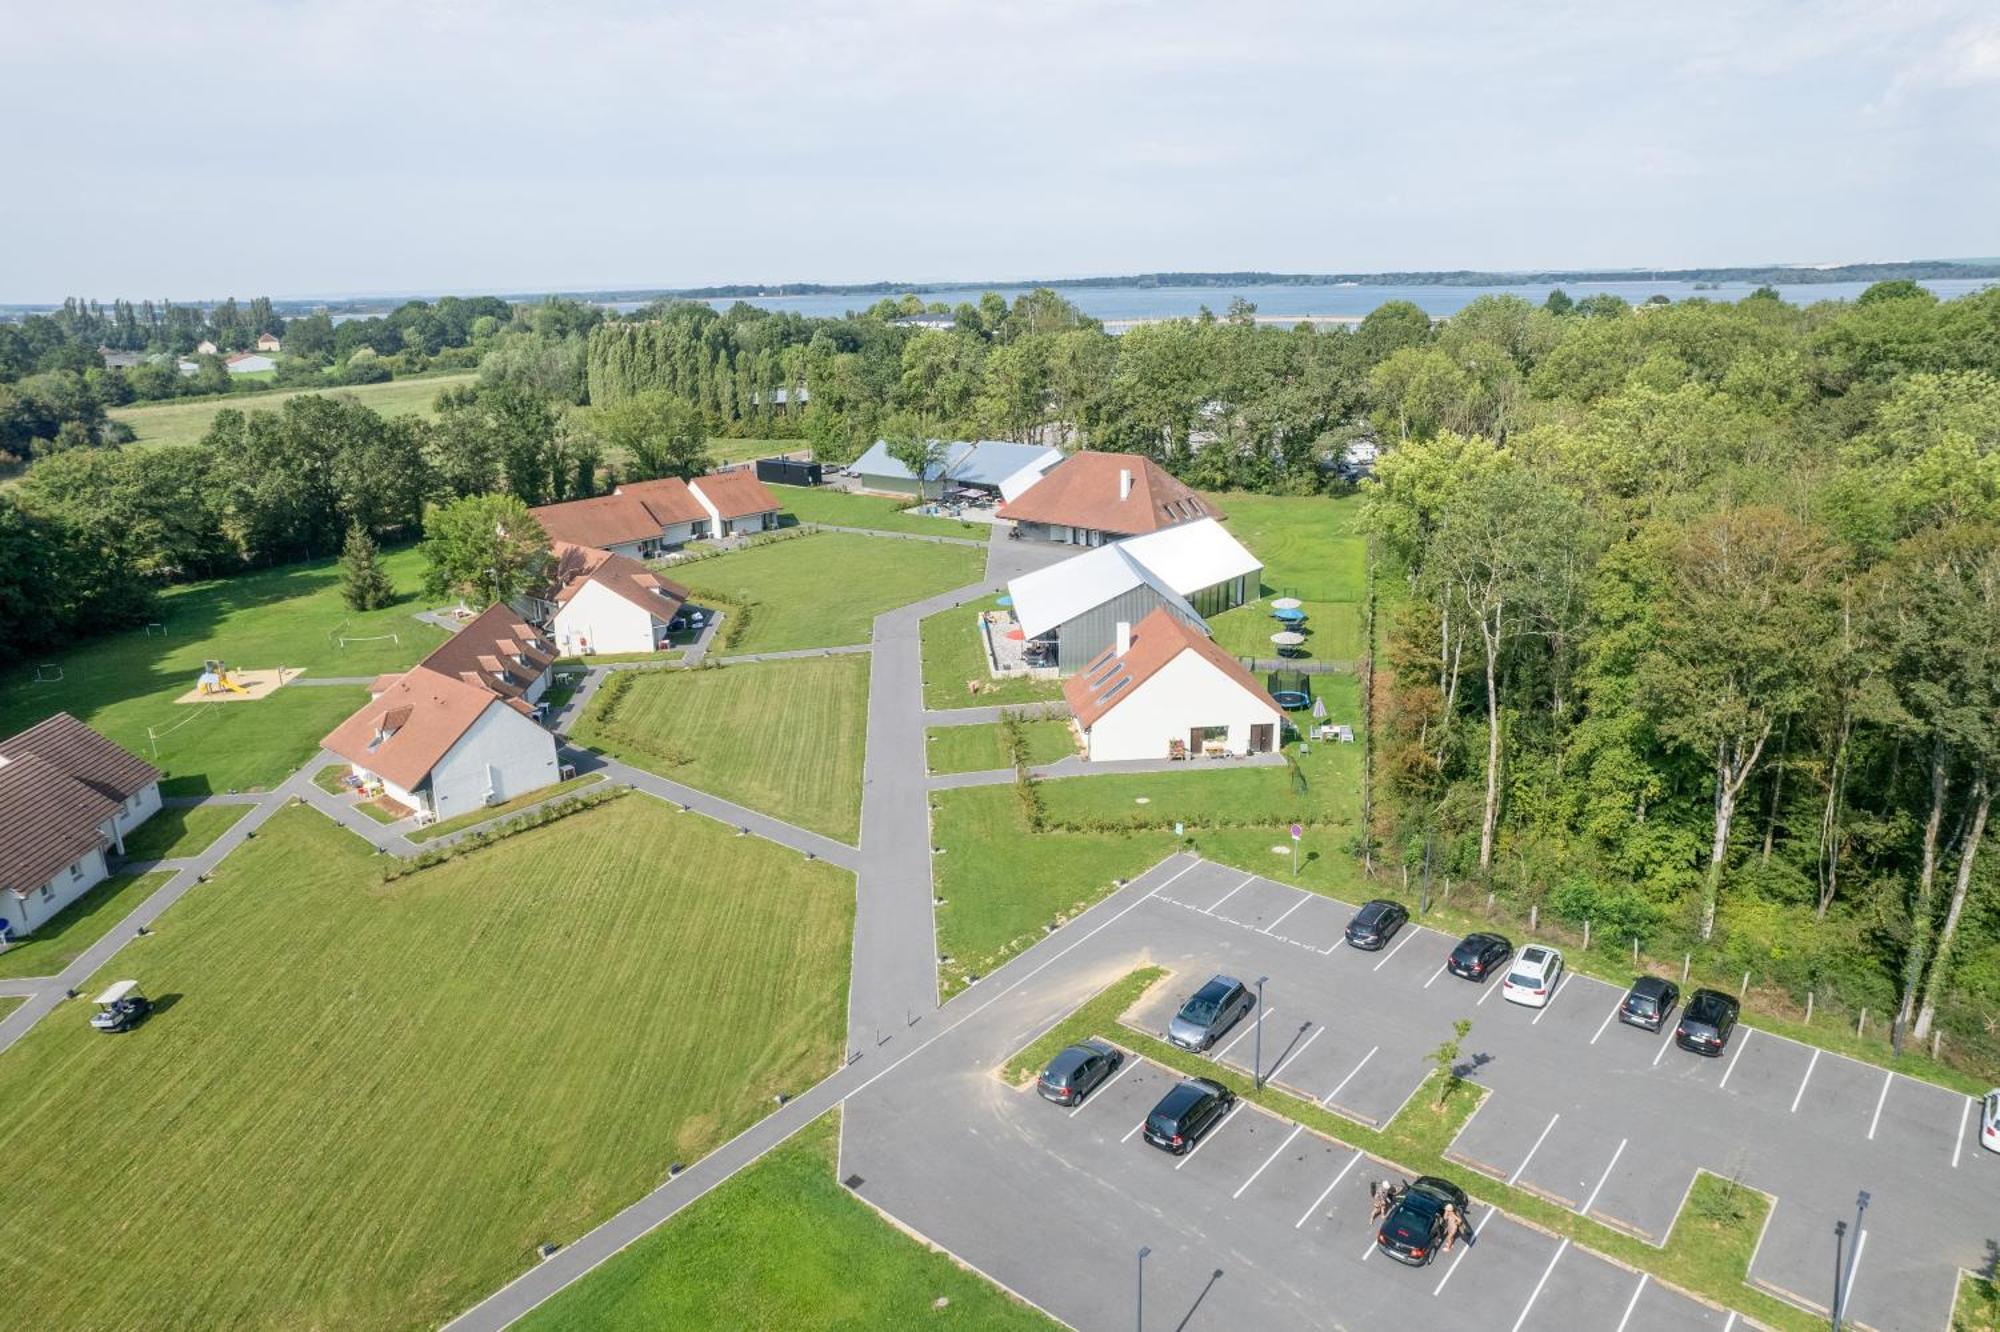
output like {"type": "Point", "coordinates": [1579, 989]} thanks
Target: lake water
{"type": "Point", "coordinates": [1132, 304]}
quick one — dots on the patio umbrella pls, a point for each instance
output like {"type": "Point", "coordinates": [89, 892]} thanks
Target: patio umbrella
{"type": "Point", "coordinates": [1287, 639]}
{"type": "Point", "coordinates": [1016, 634]}
{"type": "Point", "coordinates": [1290, 616]}
{"type": "Point", "coordinates": [1319, 708]}
{"type": "Point", "coordinates": [1004, 601]}
{"type": "Point", "coordinates": [1286, 603]}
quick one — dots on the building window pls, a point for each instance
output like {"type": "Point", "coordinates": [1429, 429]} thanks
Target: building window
{"type": "Point", "coordinates": [45, 892]}
{"type": "Point", "coordinates": [76, 871]}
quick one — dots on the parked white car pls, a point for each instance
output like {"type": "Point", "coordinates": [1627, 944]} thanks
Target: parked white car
{"type": "Point", "coordinates": [1989, 1121]}
{"type": "Point", "coordinates": [1533, 977]}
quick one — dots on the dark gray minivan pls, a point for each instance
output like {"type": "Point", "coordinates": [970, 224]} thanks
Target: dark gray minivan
{"type": "Point", "coordinates": [1214, 1009]}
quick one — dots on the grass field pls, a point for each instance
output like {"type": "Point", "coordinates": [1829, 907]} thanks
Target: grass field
{"type": "Point", "coordinates": [782, 1245]}
{"type": "Point", "coordinates": [1312, 549]}
{"type": "Point", "coordinates": [501, 810]}
{"type": "Point", "coordinates": [817, 504]}
{"type": "Point", "coordinates": [981, 748]}
{"type": "Point", "coordinates": [289, 616]}
{"type": "Point", "coordinates": [955, 659]}
{"type": "Point", "coordinates": [79, 925]}
{"type": "Point", "coordinates": [172, 833]}
{"type": "Point", "coordinates": [187, 422]}
{"type": "Point", "coordinates": [826, 590]}
{"type": "Point", "coordinates": [783, 737]}
{"type": "Point", "coordinates": [362, 1105]}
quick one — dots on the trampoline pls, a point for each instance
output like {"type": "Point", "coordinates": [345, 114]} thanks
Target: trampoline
{"type": "Point", "coordinates": [1289, 689]}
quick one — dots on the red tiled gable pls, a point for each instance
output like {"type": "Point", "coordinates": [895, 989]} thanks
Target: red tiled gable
{"type": "Point", "coordinates": [668, 497]}
{"type": "Point", "coordinates": [1156, 640]}
{"type": "Point", "coordinates": [578, 565]}
{"type": "Point", "coordinates": [1083, 491]}
{"type": "Point", "coordinates": [475, 651]}
{"type": "Point", "coordinates": [403, 734]}
{"type": "Point", "coordinates": [610, 520]}
{"type": "Point", "coordinates": [736, 494]}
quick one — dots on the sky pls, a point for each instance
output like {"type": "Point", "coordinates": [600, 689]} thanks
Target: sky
{"type": "Point", "coordinates": [299, 148]}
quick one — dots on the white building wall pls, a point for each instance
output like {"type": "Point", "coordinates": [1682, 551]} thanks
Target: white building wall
{"type": "Point", "coordinates": [25, 915]}
{"type": "Point", "coordinates": [605, 621]}
{"type": "Point", "coordinates": [1186, 693]}
{"type": "Point", "coordinates": [418, 800]}
{"type": "Point", "coordinates": [142, 806]}
{"type": "Point", "coordinates": [503, 755]}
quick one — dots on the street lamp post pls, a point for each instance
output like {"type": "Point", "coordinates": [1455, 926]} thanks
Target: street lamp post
{"type": "Point", "coordinates": [1844, 1271]}
{"type": "Point", "coordinates": [1839, 1233]}
{"type": "Point", "coordinates": [1141, 1323]}
{"type": "Point", "coordinates": [1260, 1031]}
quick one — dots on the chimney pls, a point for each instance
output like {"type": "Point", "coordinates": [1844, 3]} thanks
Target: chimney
{"type": "Point", "coordinates": [1124, 631]}
{"type": "Point", "coordinates": [1124, 483]}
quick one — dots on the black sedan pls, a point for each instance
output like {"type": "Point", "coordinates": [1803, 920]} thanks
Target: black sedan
{"type": "Point", "coordinates": [1186, 1113]}
{"type": "Point", "coordinates": [1077, 1072]}
{"type": "Point", "coordinates": [1414, 1228]}
{"type": "Point", "coordinates": [1375, 924]}
{"type": "Point", "coordinates": [1649, 1003]}
{"type": "Point", "coordinates": [1479, 956]}
{"type": "Point", "coordinates": [1706, 1022]}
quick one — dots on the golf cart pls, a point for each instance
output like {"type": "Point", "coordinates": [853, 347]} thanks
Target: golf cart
{"type": "Point", "coordinates": [121, 1007]}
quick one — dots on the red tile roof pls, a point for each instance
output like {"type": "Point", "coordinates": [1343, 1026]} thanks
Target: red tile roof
{"type": "Point", "coordinates": [492, 646]}
{"type": "Point", "coordinates": [1083, 491]}
{"type": "Point", "coordinates": [403, 734]}
{"type": "Point", "coordinates": [668, 497]}
{"type": "Point", "coordinates": [736, 494]}
{"type": "Point", "coordinates": [1156, 640]}
{"type": "Point", "coordinates": [611, 520]}
{"type": "Point", "coordinates": [577, 566]}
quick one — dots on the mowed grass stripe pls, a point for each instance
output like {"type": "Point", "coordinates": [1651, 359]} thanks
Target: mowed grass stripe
{"type": "Point", "coordinates": [784, 737]}
{"type": "Point", "coordinates": [363, 1105]}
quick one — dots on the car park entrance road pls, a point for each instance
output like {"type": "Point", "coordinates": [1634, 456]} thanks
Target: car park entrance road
{"type": "Point", "coordinates": [1601, 1118]}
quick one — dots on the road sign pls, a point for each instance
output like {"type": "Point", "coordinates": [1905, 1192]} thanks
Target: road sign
{"type": "Point", "coordinates": [1297, 832]}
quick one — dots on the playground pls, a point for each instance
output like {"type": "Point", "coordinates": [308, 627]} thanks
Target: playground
{"type": "Point", "coordinates": [220, 683]}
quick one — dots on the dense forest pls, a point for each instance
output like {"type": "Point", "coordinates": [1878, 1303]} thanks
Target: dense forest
{"type": "Point", "coordinates": [1696, 634]}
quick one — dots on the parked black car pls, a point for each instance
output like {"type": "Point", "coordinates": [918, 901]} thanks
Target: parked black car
{"type": "Point", "coordinates": [1078, 1071]}
{"type": "Point", "coordinates": [1375, 924]}
{"type": "Point", "coordinates": [1706, 1022]}
{"type": "Point", "coordinates": [1185, 1113]}
{"type": "Point", "coordinates": [1649, 1003]}
{"type": "Point", "coordinates": [1212, 1010]}
{"type": "Point", "coordinates": [1414, 1228]}
{"type": "Point", "coordinates": [1479, 956]}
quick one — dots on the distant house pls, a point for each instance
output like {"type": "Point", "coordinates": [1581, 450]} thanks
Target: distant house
{"type": "Point", "coordinates": [248, 363]}
{"type": "Point", "coordinates": [1164, 688]}
{"type": "Point", "coordinates": [1090, 498]}
{"type": "Point", "coordinates": [458, 731]}
{"type": "Point", "coordinates": [206, 348]}
{"type": "Point", "coordinates": [600, 602]}
{"type": "Point", "coordinates": [978, 464]}
{"type": "Point", "coordinates": [188, 368]}
{"type": "Point", "coordinates": [735, 501]}
{"type": "Point", "coordinates": [120, 360]}
{"type": "Point", "coordinates": [937, 323]}
{"type": "Point", "coordinates": [67, 795]}
{"type": "Point", "coordinates": [269, 342]}
{"type": "Point", "coordinates": [644, 520]}
{"type": "Point", "coordinates": [1194, 570]}
{"type": "Point", "coordinates": [783, 399]}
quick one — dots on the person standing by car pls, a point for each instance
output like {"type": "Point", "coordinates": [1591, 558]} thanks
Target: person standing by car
{"type": "Point", "coordinates": [1454, 1226]}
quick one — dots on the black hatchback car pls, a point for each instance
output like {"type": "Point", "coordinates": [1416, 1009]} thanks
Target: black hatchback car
{"type": "Point", "coordinates": [1706, 1022]}
{"type": "Point", "coordinates": [1077, 1072]}
{"type": "Point", "coordinates": [1375, 924]}
{"type": "Point", "coordinates": [1649, 1003]}
{"type": "Point", "coordinates": [1414, 1228]}
{"type": "Point", "coordinates": [1185, 1113]}
{"type": "Point", "coordinates": [1479, 956]}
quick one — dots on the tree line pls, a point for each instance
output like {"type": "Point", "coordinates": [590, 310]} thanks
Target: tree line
{"type": "Point", "coordinates": [1698, 631]}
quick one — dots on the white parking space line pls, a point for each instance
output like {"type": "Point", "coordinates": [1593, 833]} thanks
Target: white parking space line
{"type": "Point", "coordinates": [1958, 1145]}
{"type": "Point", "coordinates": [1810, 1065]}
{"type": "Point", "coordinates": [1532, 1150]}
{"type": "Point", "coordinates": [1296, 1130]}
{"type": "Point", "coordinates": [1272, 1076]}
{"type": "Point", "coordinates": [1552, 1000]}
{"type": "Point", "coordinates": [1308, 1215]}
{"type": "Point", "coordinates": [1887, 1078]}
{"type": "Point", "coordinates": [1209, 911]}
{"type": "Point", "coordinates": [1303, 898]}
{"type": "Point", "coordinates": [1732, 1321]}
{"type": "Point", "coordinates": [1471, 1238]}
{"type": "Point", "coordinates": [1666, 1039]}
{"type": "Point", "coordinates": [1248, 1027]}
{"type": "Point", "coordinates": [1633, 1303]}
{"type": "Point", "coordinates": [1209, 1136]}
{"type": "Point", "coordinates": [1091, 1099]}
{"type": "Point", "coordinates": [1134, 1129]}
{"type": "Point", "coordinates": [1328, 1098]}
{"type": "Point", "coordinates": [1732, 1060]}
{"type": "Point", "coordinates": [1585, 1209]}
{"type": "Point", "coordinates": [1493, 985]}
{"type": "Point", "coordinates": [1373, 1244]}
{"type": "Point", "coordinates": [1561, 1249]}
{"type": "Point", "coordinates": [1393, 951]}
{"type": "Point", "coordinates": [1435, 974]}
{"type": "Point", "coordinates": [1607, 1021]}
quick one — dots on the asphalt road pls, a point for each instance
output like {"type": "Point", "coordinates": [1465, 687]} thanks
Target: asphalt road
{"type": "Point", "coordinates": [1604, 1119]}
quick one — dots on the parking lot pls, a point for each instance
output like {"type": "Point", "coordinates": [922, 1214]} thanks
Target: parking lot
{"type": "Point", "coordinates": [1604, 1119]}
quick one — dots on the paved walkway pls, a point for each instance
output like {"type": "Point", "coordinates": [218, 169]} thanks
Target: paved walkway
{"type": "Point", "coordinates": [334, 680]}
{"type": "Point", "coordinates": [899, 536]}
{"type": "Point", "coordinates": [1054, 709]}
{"type": "Point", "coordinates": [1075, 766]}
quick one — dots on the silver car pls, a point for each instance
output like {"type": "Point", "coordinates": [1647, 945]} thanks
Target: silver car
{"type": "Point", "coordinates": [1214, 1009]}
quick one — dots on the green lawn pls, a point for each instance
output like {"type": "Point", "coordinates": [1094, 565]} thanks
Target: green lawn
{"type": "Point", "coordinates": [1332, 630]}
{"type": "Point", "coordinates": [955, 662]}
{"type": "Point", "coordinates": [1312, 549]}
{"type": "Point", "coordinates": [818, 504]}
{"type": "Point", "coordinates": [172, 833]}
{"type": "Point", "coordinates": [783, 737]}
{"type": "Point", "coordinates": [9, 1004]}
{"type": "Point", "coordinates": [187, 422]}
{"type": "Point", "coordinates": [518, 803]}
{"type": "Point", "coordinates": [826, 590]}
{"type": "Point", "coordinates": [290, 616]}
{"type": "Point", "coordinates": [363, 1105]}
{"type": "Point", "coordinates": [782, 1245]}
{"type": "Point", "coordinates": [723, 449]}
{"type": "Point", "coordinates": [981, 748]}
{"type": "Point", "coordinates": [80, 924]}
